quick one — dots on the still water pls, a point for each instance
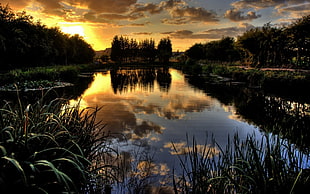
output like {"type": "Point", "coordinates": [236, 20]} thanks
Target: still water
{"type": "Point", "coordinates": [153, 107]}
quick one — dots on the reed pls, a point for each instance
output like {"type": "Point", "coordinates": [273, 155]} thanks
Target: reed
{"type": "Point", "coordinates": [269, 165]}
{"type": "Point", "coordinates": [49, 148]}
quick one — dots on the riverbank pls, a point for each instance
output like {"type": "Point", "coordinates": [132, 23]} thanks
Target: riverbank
{"type": "Point", "coordinates": [266, 78]}
{"type": "Point", "coordinates": [38, 78]}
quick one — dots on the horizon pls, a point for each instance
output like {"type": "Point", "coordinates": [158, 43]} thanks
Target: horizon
{"type": "Point", "coordinates": [185, 22]}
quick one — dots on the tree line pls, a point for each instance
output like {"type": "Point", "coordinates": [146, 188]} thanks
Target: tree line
{"type": "Point", "coordinates": [130, 50]}
{"type": "Point", "coordinates": [266, 46]}
{"type": "Point", "coordinates": [24, 43]}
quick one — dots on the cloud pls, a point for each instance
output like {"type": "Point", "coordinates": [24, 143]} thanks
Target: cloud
{"type": "Point", "coordinates": [237, 15]}
{"type": "Point", "coordinates": [149, 7]}
{"type": "Point", "coordinates": [175, 21]}
{"type": "Point", "coordinates": [143, 33]}
{"type": "Point", "coordinates": [17, 4]}
{"type": "Point", "coordinates": [186, 34]}
{"type": "Point", "coordinates": [230, 31]}
{"type": "Point", "coordinates": [261, 4]}
{"type": "Point", "coordinates": [216, 33]}
{"type": "Point", "coordinates": [181, 13]}
{"type": "Point", "coordinates": [109, 6]}
{"type": "Point", "coordinates": [297, 10]}
{"type": "Point", "coordinates": [195, 14]}
{"type": "Point", "coordinates": [182, 148]}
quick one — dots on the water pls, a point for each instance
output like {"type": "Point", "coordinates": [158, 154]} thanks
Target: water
{"type": "Point", "coordinates": [153, 113]}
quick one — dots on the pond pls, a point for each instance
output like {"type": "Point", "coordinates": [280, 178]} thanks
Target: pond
{"type": "Point", "coordinates": [153, 113]}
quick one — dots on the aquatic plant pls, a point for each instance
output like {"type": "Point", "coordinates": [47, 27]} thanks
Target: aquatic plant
{"type": "Point", "coordinates": [249, 166]}
{"type": "Point", "coordinates": [50, 148]}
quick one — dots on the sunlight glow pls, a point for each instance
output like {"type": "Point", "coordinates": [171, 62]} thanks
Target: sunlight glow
{"type": "Point", "coordinates": [77, 29]}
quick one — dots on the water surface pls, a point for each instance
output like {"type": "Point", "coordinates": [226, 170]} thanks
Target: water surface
{"type": "Point", "coordinates": [154, 107]}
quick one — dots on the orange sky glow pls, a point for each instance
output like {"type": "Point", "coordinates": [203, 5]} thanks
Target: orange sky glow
{"type": "Point", "coordinates": [185, 22]}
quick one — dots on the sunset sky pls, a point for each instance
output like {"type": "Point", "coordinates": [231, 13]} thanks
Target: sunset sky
{"type": "Point", "coordinates": [185, 22]}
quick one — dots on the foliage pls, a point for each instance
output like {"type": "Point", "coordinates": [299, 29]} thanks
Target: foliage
{"type": "Point", "coordinates": [125, 50]}
{"type": "Point", "coordinates": [278, 47]}
{"type": "Point", "coordinates": [196, 52]}
{"type": "Point", "coordinates": [52, 148]}
{"type": "Point", "coordinates": [221, 50]}
{"type": "Point", "coordinates": [267, 79]}
{"type": "Point", "coordinates": [164, 50]}
{"type": "Point", "coordinates": [267, 46]}
{"type": "Point", "coordinates": [40, 149]}
{"type": "Point", "coordinates": [25, 43]}
{"type": "Point", "coordinates": [249, 166]}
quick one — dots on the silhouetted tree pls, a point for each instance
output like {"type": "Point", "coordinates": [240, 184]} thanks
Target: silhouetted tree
{"type": "Point", "coordinates": [164, 50]}
{"type": "Point", "coordinates": [196, 52]}
{"type": "Point", "coordinates": [24, 42]}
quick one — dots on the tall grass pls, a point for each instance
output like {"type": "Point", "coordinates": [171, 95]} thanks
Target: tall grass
{"type": "Point", "coordinates": [49, 148]}
{"type": "Point", "coordinates": [269, 165]}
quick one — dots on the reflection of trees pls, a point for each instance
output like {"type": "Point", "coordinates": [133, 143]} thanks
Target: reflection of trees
{"type": "Point", "coordinates": [276, 115]}
{"type": "Point", "coordinates": [163, 79]}
{"type": "Point", "coordinates": [128, 80]}
{"type": "Point", "coordinates": [285, 116]}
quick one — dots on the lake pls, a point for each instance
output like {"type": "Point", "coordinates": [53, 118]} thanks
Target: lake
{"type": "Point", "coordinates": [154, 113]}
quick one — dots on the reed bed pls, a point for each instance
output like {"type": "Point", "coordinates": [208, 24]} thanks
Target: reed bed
{"type": "Point", "coordinates": [269, 165]}
{"type": "Point", "coordinates": [51, 148]}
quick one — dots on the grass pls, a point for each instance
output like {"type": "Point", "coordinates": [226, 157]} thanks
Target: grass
{"type": "Point", "coordinates": [269, 165]}
{"type": "Point", "coordinates": [260, 78]}
{"type": "Point", "coordinates": [49, 148]}
{"type": "Point", "coordinates": [50, 73]}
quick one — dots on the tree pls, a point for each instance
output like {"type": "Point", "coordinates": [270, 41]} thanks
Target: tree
{"type": "Point", "coordinates": [299, 41]}
{"type": "Point", "coordinates": [164, 50]}
{"type": "Point", "coordinates": [252, 43]}
{"type": "Point", "coordinates": [24, 42]}
{"type": "Point", "coordinates": [196, 52]}
{"type": "Point", "coordinates": [116, 49]}
{"type": "Point", "coordinates": [221, 50]}
{"type": "Point", "coordinates": [147, 50]}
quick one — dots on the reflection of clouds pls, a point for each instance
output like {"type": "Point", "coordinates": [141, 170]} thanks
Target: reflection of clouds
{"type": "Point", "coordinates": [234, 115]}
{"type": "Point", "coordinates": [148, 168]}
{"type": "Point", "coordinates": [182, 148]}
{"type": "Point", "coordinates": [123, 113]}
{"type": "Point", "coordinates": [118, 117]}
{"type": "Point", "coordinates": [174, 106]}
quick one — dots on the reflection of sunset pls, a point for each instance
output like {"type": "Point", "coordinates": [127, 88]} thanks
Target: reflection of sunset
{"type": "Point", "coordinates": [125, 99]}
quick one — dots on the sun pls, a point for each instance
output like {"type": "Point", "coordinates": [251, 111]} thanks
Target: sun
{"type": "Point", "coordinates": [77, 29]}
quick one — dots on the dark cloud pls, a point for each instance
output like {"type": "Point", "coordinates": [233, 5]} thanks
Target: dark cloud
{"type": "Point", "coordinates": [298, 9]}
{"type": "Point", "coordinates": [210, 34]}
{"type": "Point", "coordinates": [110, 6]}
{"type": "Point", "coordinates": [260, 4]}
{"type": "Point", "coordinates": [237, 15]}
{"type": "Point", "coordinates": [175, 21]}
{"type": "Point", "coordinates": [195, 14]}
{"type": "Point", "coordinates": [149, 7]}
{"type": "Point", "coordinates": [143, 33]}
{"type": "Point", "coordinates": [187, 34]}
{"type": "Point", "coordinates": [171, 4]}
{"type": "Point", "coordinates": [114, 16]}
{"type": "Point", "coordinates": [291, 8]}
{"type": "Point", "coordinates": [230, 31]}
{"type": "Point", "coordinates": [18, 4]}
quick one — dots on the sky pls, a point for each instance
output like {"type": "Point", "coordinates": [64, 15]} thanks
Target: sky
{"type": "Point", "coordinates": [185, 22]}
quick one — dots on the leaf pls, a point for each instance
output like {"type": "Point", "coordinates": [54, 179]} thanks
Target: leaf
{"type": "Point", "coordinates": [18, 167]}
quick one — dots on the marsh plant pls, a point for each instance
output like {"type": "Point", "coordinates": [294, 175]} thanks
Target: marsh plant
{"type": "Point", "coordinates": [267, 165]}
{"type": "Point", "coordinates": [50, 148]}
